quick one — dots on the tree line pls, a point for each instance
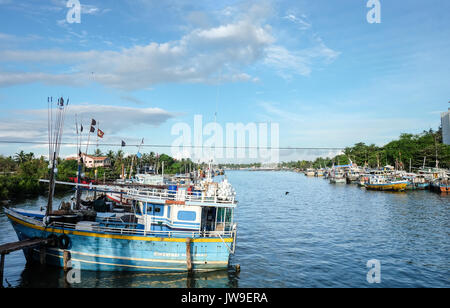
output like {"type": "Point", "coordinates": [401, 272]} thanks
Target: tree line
{"type": "Point", "coordinates": [409, 150]}
{"type": "Point", "coordinates": [20, 173]}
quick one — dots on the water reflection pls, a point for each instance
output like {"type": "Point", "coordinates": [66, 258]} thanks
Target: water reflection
{"type": "Point", "coordinates": [43, 276]}
{"type": "Point", "coordinates": [319, 235]}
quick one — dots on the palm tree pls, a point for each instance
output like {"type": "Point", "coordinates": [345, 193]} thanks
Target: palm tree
{"type": "Point", "coordinates": [20, 157]}
{"type": "Point", "coordinates": [119, 156]}
{"type": "Point", "coordinates": [111, 157]}
{"type": "Point", "coordinates": [29, 156]}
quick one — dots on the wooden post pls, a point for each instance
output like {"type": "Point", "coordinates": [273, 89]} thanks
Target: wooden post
{"type": "Point", "coordinates": [66, 258]}
{"type": "Point", "coordinates": [29, 255]}
{"type": "Point", "coordinates": [42, 254]}
{"type": "Point", "coordinates": [238, 268]}
{"type": "Point", "coordinates": [188, 255]}
{"type": "Point", "coordinates": [2, 265]}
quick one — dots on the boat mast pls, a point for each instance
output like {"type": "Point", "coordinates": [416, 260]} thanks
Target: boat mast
{"type": "Point", "coordinates": [80, 157]}
{"type": "Point", "coordinates": [132, 159]}
{"type": "Point", "coordinates": [435, 146]}
{"type": "Point", "coordinates": [54, 139]}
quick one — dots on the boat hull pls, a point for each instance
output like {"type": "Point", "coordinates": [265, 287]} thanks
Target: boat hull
{"type": "Point", "coordinates": [441, 188]}
{"type": "Point", "coordinates": [422, 186]}
{"type": "Point", "coordinates": [115, 252]}
{"type": "Point", "coordinates": [338, 181]}
{"type": "Point", "coordinates": [387, 187]}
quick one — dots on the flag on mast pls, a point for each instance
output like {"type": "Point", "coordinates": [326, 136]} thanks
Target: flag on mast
{"type": "Point", "coordinates": [100, 133]}
{"type": "Point", "coordinates": [93, 123]}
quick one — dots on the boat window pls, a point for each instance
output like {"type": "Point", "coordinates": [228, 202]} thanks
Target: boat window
{"type": "Point", "coordinates": [187, 215]}
{"type": "Point", "coordinates": [137, 207]}
{"type": "Point", "coordinates": [157, 210]}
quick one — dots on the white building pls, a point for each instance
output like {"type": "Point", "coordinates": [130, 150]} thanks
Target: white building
{"type": "Point", "coordinates": [93, 162]}
{"type": "Point", "coordinates": [445, 122]}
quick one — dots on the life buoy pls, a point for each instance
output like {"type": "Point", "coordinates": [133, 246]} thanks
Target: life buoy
{"type": "Point", "coordinates": [63, 242]}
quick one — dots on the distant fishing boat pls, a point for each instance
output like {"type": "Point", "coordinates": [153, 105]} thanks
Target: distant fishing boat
{"type": "Point", "coordinates": [337, 176]}
{"type": "Point", "coordinates": [441, 186]}
{"type": "Point", "coordinates": [385, 184]}
{"type": "Point", "coordinates": [310, 172]}
{"type": "Point", "coordinates": [416, 182]}
{"type": "Point", "coordinates": [352, 175]}
{"type": "Point", "coordinates": [319, 173]}
{"type": "Point", "coordinates": [363, 179]}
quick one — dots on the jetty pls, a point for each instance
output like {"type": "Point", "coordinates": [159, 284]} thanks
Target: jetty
{"type": "Point", "coordinates": [14, 246]}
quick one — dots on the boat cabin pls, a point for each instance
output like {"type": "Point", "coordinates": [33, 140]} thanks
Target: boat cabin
{"type": "Point", "coordinates": [178, 216]}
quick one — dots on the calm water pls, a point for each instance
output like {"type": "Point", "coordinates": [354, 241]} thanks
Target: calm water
{"type": "Point", "coordinates": [319, 235]}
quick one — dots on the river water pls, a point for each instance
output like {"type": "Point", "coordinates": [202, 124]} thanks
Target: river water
{"type": "Point", "coordinates": [318, 235]}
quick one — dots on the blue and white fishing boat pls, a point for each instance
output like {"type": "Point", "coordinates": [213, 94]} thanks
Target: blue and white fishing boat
{"type": "Point", "coordinates": [151, 239]}
{"type": "Point", "coordinates": [167, 229]}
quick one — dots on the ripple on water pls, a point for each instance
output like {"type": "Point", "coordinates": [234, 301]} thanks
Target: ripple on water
{"type": "Point", "coordinates": [319, 235]}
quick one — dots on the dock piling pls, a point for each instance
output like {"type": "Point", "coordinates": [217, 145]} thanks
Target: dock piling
{"type": "Point", "coordinates": [2, 265]}
{"type": "Point", "coordinates": [188, 255]}
{"type": "Point", "coordinates": [66, 258]}
{"type": "Point", "coordinates": [237, 268]}
{"type": "Point", "coordinates": [42, 255]}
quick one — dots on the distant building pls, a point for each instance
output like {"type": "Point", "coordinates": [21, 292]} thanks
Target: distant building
{"type": "Point", "coordinates": [445, 122]}
{"type": "Point", "coordinates": [93, 162]}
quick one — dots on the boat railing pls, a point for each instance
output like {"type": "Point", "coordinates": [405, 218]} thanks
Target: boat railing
{"type": "Point", "coordinates": [164, 194]}
{"type": "Point", "coordinates": [193, 196]}
{"type": "Point", "coordinates": [140, 232]}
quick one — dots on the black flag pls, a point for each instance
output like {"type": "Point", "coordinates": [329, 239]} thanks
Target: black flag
{"type": "Point", "coordinates": [123, 143]}
{"type": "Point", "coordinates": [81, 129]}
{"type": "Point", "coordinates": [93, 122]}
{"type": "Point", "coordinates": [92, 129]}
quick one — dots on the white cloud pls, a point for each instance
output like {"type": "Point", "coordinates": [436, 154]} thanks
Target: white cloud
{"type": "Point", "coordinates": [200, 56]}
{"type": "Point", "coordinates": [300, 62]}
{"type": "Point", "coordinates": [332, 127]}
{"type": "Point", "coordinates": [299, 21]}
{"type": "Point", "coordinates": [32, 125]}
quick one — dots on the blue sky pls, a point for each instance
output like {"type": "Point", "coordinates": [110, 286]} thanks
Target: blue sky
{"type": "Point", "coordinates": [316, 67]}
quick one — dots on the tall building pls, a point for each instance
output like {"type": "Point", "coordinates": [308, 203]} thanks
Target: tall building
{"type": "Point", "coordinates": [445, 122]}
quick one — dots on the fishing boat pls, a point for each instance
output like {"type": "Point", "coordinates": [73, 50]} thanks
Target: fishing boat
{"type": "Point", "coordinates": [385, 184]}
{"type": "Point", "coordinates": [165, 230]}
{"type": "Point", "coordinates": [441, 186]}
{"type": "Point", "coordinates": [310, 172]}
{"type": "Point", "coordinates": [337, 176]}
{"type": "Point", "coordinates": [153, 238]}
{"type": "Point", "coordinates": [416, 182]}
{"type": "Point", "coordinates": [363, 179]}
{"type": "Point", "coordinates": [319, 173]}
{"type": "Point", "coordinates": [353, 174]}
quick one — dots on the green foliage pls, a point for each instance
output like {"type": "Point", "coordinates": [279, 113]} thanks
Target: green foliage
{"type": "Point", "coordinates": [408, 148]}
{"type": "Point", "coordinates": [19, 176]}
{"type": "Point", "coordinates": [67, 169]}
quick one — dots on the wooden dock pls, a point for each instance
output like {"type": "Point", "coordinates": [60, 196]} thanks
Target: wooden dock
{"type": "Point", "coordinates": [10, 247]}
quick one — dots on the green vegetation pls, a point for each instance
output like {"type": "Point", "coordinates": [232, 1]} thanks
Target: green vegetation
{"type": "Point", "coordinates": [408, 148]}
{"type": "Point", "coordinates": [20, 174]}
